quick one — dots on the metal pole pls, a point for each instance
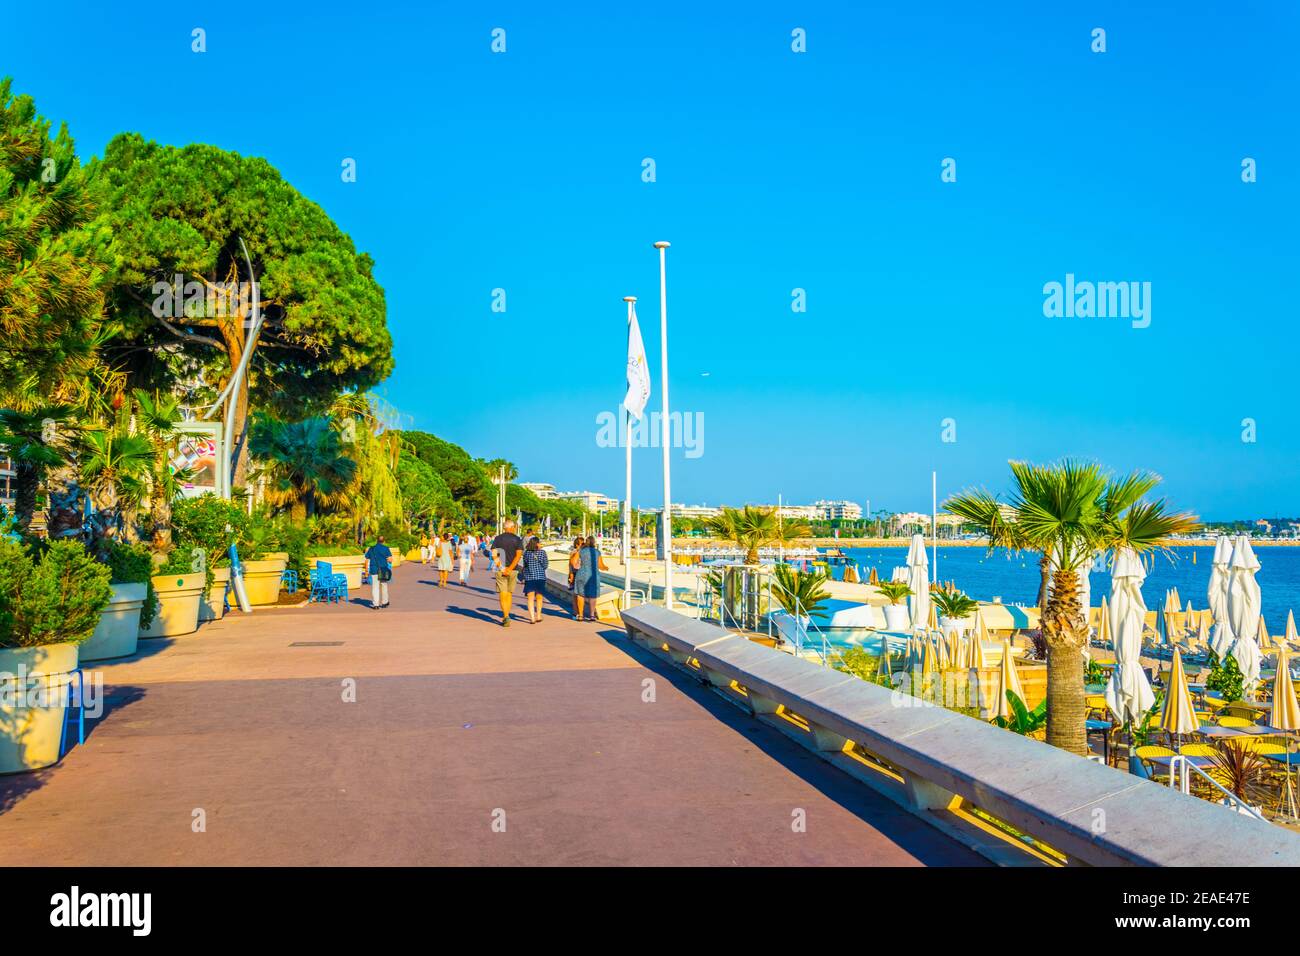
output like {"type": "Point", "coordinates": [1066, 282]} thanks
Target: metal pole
{"type": "Point", "coordinates": [934, 527]}
{"type": "Point", "coordinates": [664, 430]}
{"type": "Point", "coordinates": [627, 499]}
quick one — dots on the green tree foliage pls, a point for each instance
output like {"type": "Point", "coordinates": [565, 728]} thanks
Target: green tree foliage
{"type": "Point", "coordinates": [424, 494]}
{"type": "Point", "coordinates": [51, 601]}
{"type": "Point", "coordinates": [463, 476]}
{"type": "Point", "coordinates": [185, 211]}
{"type": "Point", "coordinates": [305, 461]}
{"type": "Point", "coordinates": [53, 261]}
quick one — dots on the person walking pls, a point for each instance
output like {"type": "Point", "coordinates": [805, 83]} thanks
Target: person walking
{"type": "Point", "coordinates": [574, 560]}
{"type": "Point", "coordinates": [466, 559]}
{"type": "Point", "coordinates": [534, 567]}
{"type": "Point", "coordinates": [379, 559]}
{"type": "Point", "coordinates": [586, 580]}
{"type": "Point", "coordinates": [444, 556]}
{"type": "Point", "coordinates": [426, 548]}
{"type": "Point", "coordinates": [506, 549]}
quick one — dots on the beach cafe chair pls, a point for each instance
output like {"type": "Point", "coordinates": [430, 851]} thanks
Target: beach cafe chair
{"type": "Point", "coordinates": [1232, 721]}
{"type": "Point", "coordinates": [1198, 750]}
{"type": "Point", "coordinates": [1145, 753]}
{"type": "Point", "coordinates": [328, 585]}
{"type": "Point", "coordinates": [1242, 709]}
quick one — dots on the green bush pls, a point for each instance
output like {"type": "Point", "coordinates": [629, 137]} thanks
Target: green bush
{"type": "Point", "coordinates": [210, 523]}
{"type": "Point", "coordinates": [1225, 677]}
{"type": "Point", "coordinates": [54, 600]}
{"type": "Point", "coordinates": [133, 564]}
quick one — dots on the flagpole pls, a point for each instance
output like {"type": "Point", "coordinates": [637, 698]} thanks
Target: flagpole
{"type": "Point", "coordinates": [627, 500]}
{"type": "Point", "coordinates": [664, 431]}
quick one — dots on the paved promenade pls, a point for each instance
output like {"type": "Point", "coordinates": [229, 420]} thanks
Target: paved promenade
{"type": "Point", "coordinates": [457, 724]}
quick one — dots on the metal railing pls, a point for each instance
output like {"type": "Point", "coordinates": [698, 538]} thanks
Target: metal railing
{"type": "Point", "coordinates": [750, 605]}
{"type": "Point", "coordinates": [1181, 766]}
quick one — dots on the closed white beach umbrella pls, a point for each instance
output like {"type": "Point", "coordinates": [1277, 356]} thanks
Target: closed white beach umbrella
{"type": "Point", "coordinates": [1221, 638]}
{"type": "Point", "coordinates": [1128, 693]}
{"type": "Point", "coordinates": [918, 579]}
{"type": "Point", "coordinates": [1243, 609]}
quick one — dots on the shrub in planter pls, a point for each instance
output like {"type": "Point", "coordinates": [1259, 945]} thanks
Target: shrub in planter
{"type": "Point", "coordinates": [133, 564]}
{"type": "Point", "coordinates": [204, 528]}
{"type": "Point", "coordinates": [51, 601]}
{"type": "Point", "coordinates": [47, 607]}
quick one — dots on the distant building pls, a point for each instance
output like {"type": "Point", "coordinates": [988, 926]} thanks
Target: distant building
{"type": "Point", "coordinates": [541, 489]}
{"type": "Point", "coordinates": [591, 500]}
{"type": "Point", "coordinates": [686, 511]}
{"type": "Point", "coordinates": [842, 510]}
{"type": "Point", "coordinates": [7, 475]}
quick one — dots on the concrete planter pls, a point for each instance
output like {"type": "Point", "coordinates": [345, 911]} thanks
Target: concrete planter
{"type": "Point", "coordinates": [897, 618]}
{"type": "Point", "coordinates": [118, 630]}
{"type": "Point", "coordinates": [397, 560]}
{"type": "Point", "coordinates": [213, 607]}
{"type": "Point", "coordinates": [179, 597]}
{"type": "Point", "coordinates": [262, 580]}
{"type": "Point", "coordinates": [349, 565]}
{"type": "Point", "coordinates": [32, 711]}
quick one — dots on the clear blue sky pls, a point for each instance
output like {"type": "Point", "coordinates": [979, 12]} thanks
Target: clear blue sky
{"type": "Point", "coordinates": [775, 170]}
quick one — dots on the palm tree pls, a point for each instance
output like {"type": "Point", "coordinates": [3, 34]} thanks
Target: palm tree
{"type": "Point", "coordinates": [113, 464]}
{"type": "Point", "coordinates": [801, 593]}
{"type": "Point", "coordinates": [305, 461]}
{"type": "Point", "coordinates": [985, 512]}
{"type": "Point", "coordinates": [751, 528]}
{"type": "Point", "coordinates": [1068, 512]}
{"type": "Point", "coordinates": [157, 416]}
{"type": "Point", "coordinates": [32, 448]}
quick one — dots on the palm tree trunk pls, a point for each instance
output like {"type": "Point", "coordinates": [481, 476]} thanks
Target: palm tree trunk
{"type": "Point", "coordinates": [26, 481]}
{"type": "Point", "coordinates": [160, 508]}
{"type": "Point", "coordinates": [1044, 574]}
{"type": "Point", "coordinates": [1066, 704]}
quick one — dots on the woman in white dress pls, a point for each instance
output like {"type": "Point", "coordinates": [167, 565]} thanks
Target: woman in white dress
{"type": "Point", "coordinates": [467, 548]}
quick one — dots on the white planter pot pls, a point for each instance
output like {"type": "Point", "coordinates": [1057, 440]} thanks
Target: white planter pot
{"type": "Point", "coordinates": [31, 725]}
{"type": "Point", "coordinates": [179, 597]}
{"type": "Point", "coordinates": [118, 630]}
{"type": "Point", "coordinates": [213, 607]}
{"type": "Point", "coordinates": [897, 618]}
{"type": "Point", "coordinates": [262, 580]}
{"type": "Point", "coordinates": [956, 625]}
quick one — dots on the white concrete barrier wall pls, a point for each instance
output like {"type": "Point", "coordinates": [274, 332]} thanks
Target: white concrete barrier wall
{"type": "Point", "coordinates": [1094, 814]}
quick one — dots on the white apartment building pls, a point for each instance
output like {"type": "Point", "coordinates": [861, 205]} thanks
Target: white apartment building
{"type": "Point", "coordinates": [845, 510]}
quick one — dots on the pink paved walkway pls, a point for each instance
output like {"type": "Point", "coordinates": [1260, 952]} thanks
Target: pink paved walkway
{"type": "Point", "coordinates": [457, 722]}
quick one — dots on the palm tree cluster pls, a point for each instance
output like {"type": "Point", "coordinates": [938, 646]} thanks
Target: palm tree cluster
{"type": "Point", "coordinates": [1068, 513]}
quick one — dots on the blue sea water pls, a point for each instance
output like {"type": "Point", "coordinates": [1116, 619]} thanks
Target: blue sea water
{"type": "Point", "coordinates": [1014, 578]}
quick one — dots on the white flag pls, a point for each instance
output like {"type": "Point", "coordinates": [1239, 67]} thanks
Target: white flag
{"type": "Point", "coordinates": [638, 373]}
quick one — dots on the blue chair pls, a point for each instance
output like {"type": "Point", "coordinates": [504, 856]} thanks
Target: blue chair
{"type": "Point", "coordinates": [327, 585]}
{"type": "Point", "coordinates": [289, 577]}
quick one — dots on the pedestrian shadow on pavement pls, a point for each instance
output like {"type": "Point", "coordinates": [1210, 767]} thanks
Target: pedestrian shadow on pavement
{"type": "Point", "coordinates": [876, 810]}
{"type": "Point", "coordinates": [490, 615]}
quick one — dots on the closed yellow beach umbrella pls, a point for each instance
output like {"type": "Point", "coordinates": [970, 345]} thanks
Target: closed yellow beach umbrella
{"type": "Point", "coordinates": [884, 668]}
{"type": "Point", "coordinates": [1291, 636]}
{"type": "Point", "coordinates": [1179, 714]}
{"type": "Point", "coordinates": [873, 578]}
{"type": "Point", "coordinates": [1103, 626]}
{"type": "Point", "coordinates": [1285, 714]}
{"type": "Point", "coordinates": [928, 663]}
{"type": "Point", "coordinates": [933, 622]}
{"type": "Point", "coordinates": [941, 648]}
{"type": "Point", "coordinates": [1262, 637]}
{"type": "Point", "coordinates": [977, 643]}
{"type": "Point", "coordinates": [1008, 680]}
